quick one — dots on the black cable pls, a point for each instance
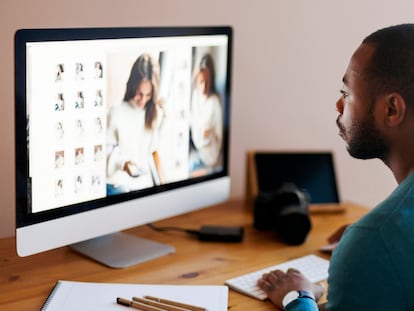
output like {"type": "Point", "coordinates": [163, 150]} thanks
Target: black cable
{"type": "Point", "coordinates": [189, 231]}
{"type": "Point", "coordinates": [208, 233]}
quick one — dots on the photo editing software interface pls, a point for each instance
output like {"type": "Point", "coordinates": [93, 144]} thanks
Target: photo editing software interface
{"type": "Point", "coordinates": [108, 116]}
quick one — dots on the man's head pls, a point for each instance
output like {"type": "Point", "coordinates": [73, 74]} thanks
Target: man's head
{"type": "Point", "coordinates": [378, 92]}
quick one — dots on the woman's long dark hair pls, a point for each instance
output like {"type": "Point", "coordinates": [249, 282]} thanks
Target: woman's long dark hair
{"type": "Point", "coordinates": [144, 68]}
{"type": "Point", "coordinates": [207, 66]}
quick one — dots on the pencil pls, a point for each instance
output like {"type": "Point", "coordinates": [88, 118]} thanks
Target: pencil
{"type": "Point", "coordinates": [136, 305]}
{"type": "Point", "coordinates": [176, 303]}
{"type": "Point", "coordinates": [161, 305]}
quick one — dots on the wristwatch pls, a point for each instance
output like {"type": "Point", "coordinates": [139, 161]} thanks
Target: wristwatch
{"type": "Point", "coordinates": [295, 294]}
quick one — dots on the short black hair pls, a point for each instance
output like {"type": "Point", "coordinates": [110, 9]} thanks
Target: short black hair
{"type": "Point", "coordinates": [391, 68]}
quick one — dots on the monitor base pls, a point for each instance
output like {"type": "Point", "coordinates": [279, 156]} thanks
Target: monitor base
{"type": "Point", "coordinates": [121, 250]}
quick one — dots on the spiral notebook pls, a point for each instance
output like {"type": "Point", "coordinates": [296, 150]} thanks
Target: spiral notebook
{"type": "Point", "coordinates": [68, 295]}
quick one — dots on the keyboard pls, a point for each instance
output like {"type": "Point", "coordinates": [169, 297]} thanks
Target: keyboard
{"type": "Point", "coordinates": [313, 267]}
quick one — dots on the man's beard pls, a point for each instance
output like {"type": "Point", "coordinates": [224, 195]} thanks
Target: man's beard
{"type": "Point", "coordinates": [366, 141]}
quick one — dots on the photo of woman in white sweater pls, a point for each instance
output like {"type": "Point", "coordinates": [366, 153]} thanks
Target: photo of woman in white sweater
{"type": "Point", "coordinates": [132, 126]}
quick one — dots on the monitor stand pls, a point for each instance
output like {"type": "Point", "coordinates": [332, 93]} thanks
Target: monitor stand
{"type": "Point", "coordinates": [121, 250]}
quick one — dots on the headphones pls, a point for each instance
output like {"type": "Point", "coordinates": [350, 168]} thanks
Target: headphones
{"type": "Point", "coordinates": [285, 211]}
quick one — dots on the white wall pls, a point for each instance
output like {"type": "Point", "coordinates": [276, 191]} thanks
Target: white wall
{"type": "Point", "coordinates": [289, 58]}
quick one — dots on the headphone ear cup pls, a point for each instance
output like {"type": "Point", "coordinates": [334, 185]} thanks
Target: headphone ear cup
{"type": "Point", "coordinates": [284, 211]}
{"type": "Point", "coordinates": [294, 228]}
{"type": "Point", "coordinates": [293, 221]}
{"type": "Point", "coordinates": [262, 218]}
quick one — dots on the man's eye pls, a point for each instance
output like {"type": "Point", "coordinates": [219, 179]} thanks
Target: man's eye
{"type": "Point", "coordinates": [344, 93]}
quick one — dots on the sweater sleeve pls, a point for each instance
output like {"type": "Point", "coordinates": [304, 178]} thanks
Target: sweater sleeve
{"type": "Point", "coordinates": [359, 278]}
{"type": "Point", "coordinates": [302, 304]}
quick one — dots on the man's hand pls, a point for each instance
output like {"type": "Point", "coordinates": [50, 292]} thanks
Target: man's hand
{"type": "Point", "coordinates": [277, 284]}
{"type": "Point", "coordinates": [337, 235]}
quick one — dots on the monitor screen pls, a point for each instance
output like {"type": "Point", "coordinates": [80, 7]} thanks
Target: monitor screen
{"type": "Point", "coordinates": [312, 172]}
{"type": "Point", "coordinates": [117, 127]}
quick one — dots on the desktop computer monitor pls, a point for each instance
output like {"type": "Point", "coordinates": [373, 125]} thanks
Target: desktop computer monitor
{"type": "Point", "coordinates": [115, 128]}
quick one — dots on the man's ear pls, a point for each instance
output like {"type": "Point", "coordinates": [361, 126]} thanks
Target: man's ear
{"type": "Point", "coordinates": [395, 109]}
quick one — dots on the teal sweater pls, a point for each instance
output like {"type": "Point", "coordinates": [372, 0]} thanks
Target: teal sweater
{"type": "Point", "coordinates": [373, 266]}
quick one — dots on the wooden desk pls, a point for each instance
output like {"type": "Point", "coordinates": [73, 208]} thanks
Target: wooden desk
{"type": "Point", "coordinates": [26, 282]}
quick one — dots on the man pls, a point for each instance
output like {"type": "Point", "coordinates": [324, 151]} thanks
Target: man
{"type": "Point", "coordinates": [372, 267]}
